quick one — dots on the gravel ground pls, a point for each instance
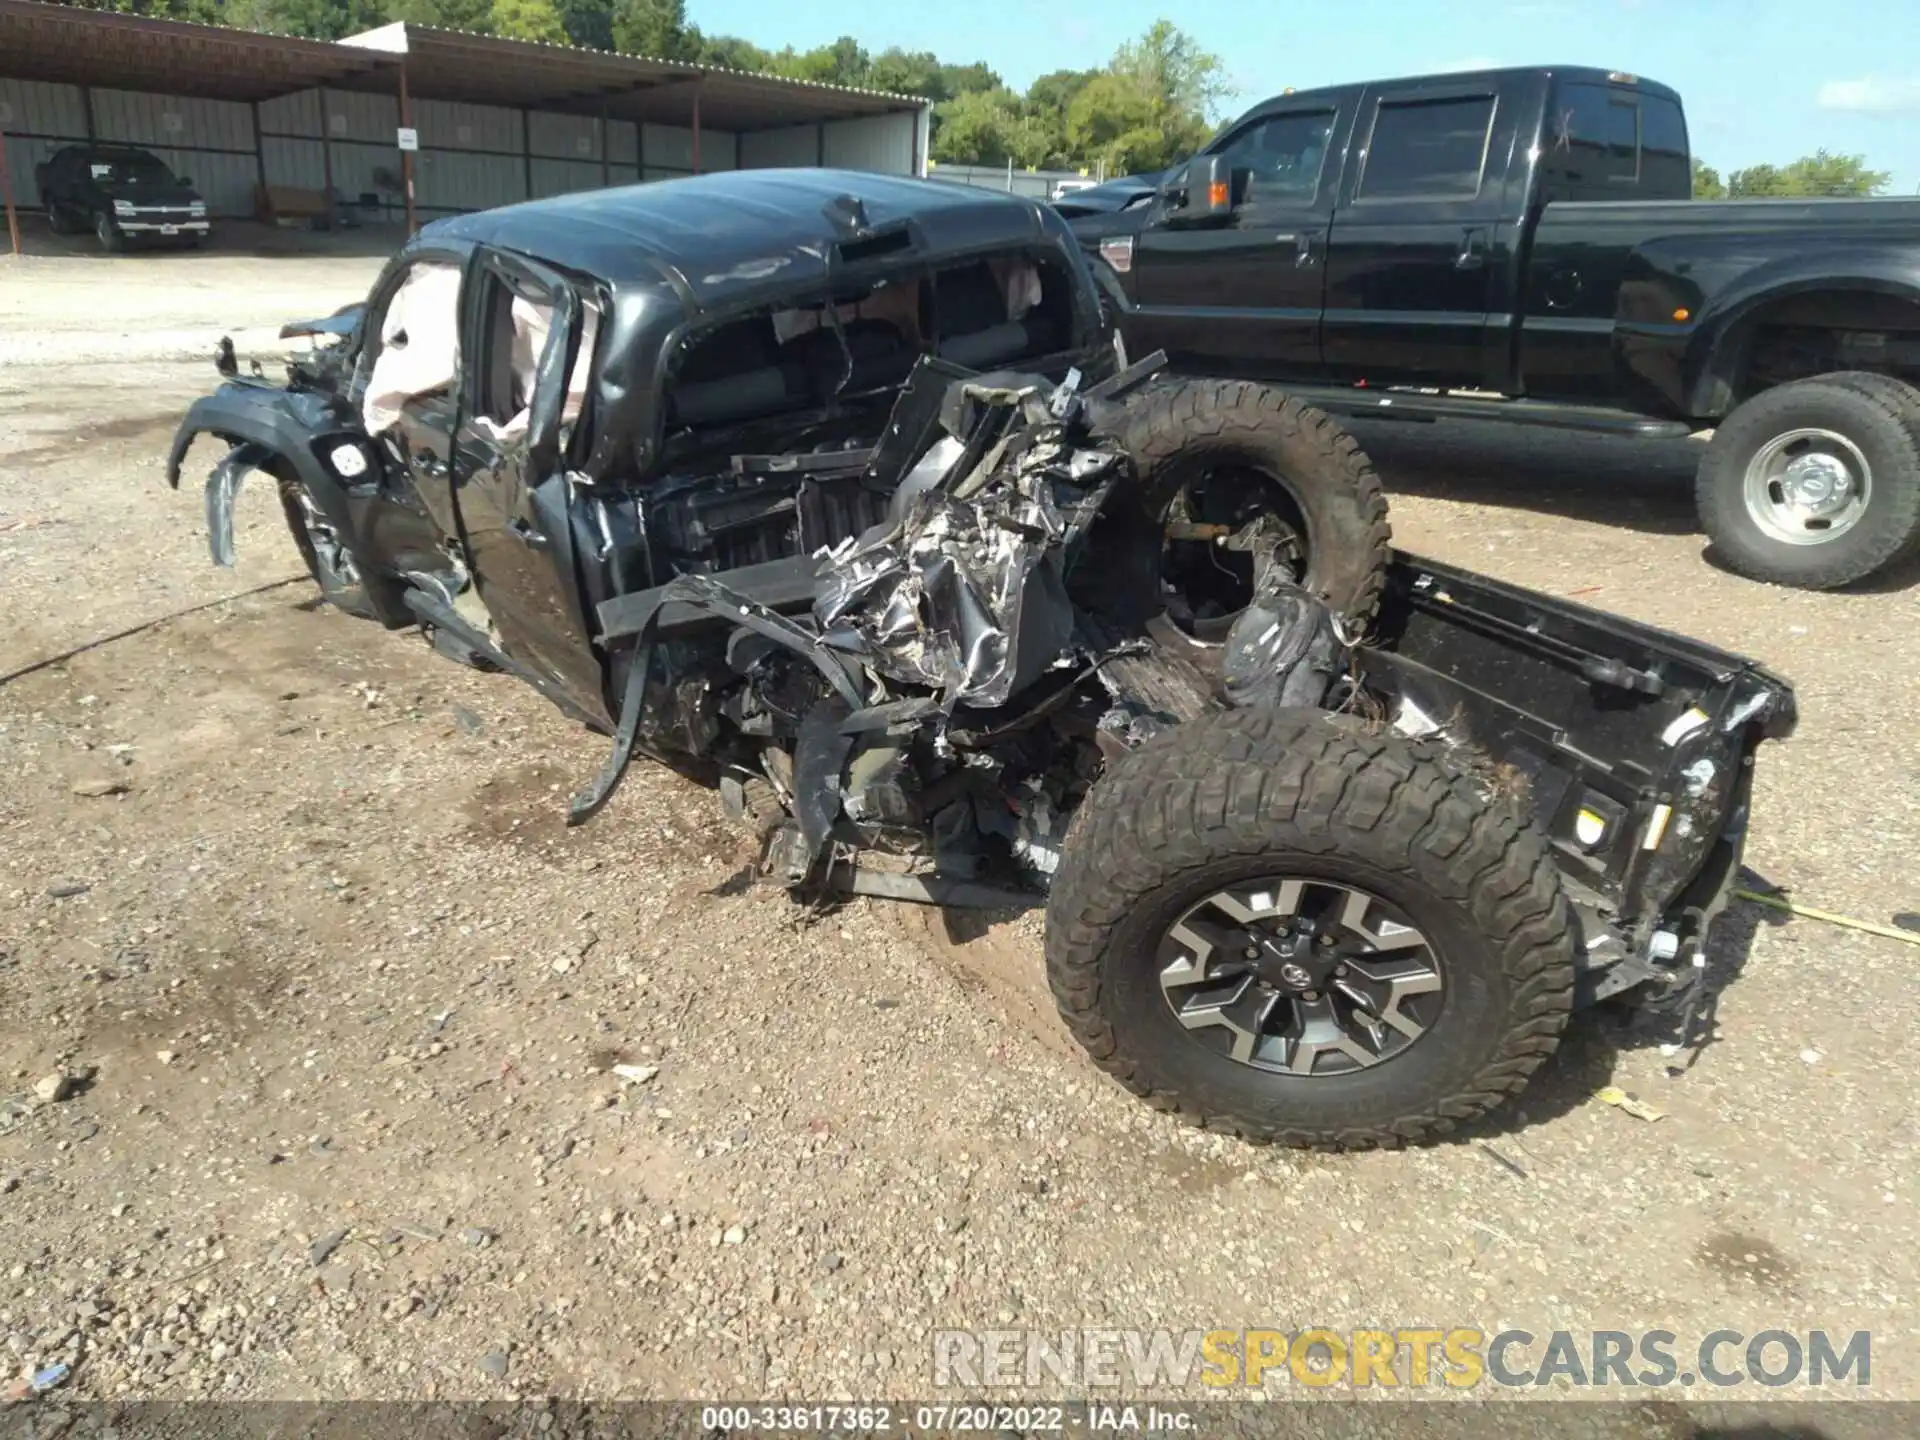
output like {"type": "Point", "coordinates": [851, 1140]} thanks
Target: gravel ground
{"type": "Point", "coordinates": [65, 302]}
{"type": "Point", "coordinates": [343, 997]}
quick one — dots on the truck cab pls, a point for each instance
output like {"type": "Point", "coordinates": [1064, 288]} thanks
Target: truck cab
{"type": "Point", "coordinates": [1377, 233]}
{"type": "Point", "coordinates": [1522, 245]}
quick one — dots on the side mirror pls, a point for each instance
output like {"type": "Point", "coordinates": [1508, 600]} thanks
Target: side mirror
{"type": "Point", "coordinates": [1209, 187]}
{"type": "Point", "coordinates": [1206, 188]}
{"type": "Point", "coordinates": [186, 182]}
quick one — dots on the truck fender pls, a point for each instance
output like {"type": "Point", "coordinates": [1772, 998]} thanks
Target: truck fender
{"type": "Point", "coordinates": [267, 422]}
{"type": "Point", "coordinates": [1717, 347]}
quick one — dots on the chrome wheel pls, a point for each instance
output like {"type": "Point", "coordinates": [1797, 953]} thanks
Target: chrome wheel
{"type": "Point", "coordinates": [1808, 486]}
{"type": "Point", "coordinates": [1300, 976]}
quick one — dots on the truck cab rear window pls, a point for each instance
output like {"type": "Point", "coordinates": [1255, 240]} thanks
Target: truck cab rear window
{"type": "Point", "coordinates": [1593, 139]}
{"type": "Point", "coordinates": [1602, 140]}
{"type": "Point", "coordinates": [1665, 166]}
{"type": "Point", "coordinates": [1427, 147]}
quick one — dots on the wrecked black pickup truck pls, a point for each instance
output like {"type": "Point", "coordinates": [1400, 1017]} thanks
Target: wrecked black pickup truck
{"type": "Point", "coordinates": [831, 490]}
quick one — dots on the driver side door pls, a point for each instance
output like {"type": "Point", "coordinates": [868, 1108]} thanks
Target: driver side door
{"type": "Point", "coordinates": [1242, 295]}
{"type": "Point", "coordinates": [521, 333]}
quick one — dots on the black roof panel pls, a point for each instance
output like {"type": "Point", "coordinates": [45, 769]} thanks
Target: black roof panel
{"type": "Point", "coordinates": [715, 236]}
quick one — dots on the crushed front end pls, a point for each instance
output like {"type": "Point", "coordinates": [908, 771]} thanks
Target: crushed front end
{"type": "Point", "coordinates": [926, 705]}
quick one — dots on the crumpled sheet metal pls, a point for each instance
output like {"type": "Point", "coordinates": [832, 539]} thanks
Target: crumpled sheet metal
{"type": "Point", "coordinates": [1285, 648]}
{"type": "Point", "coordinates": [963, 593]}
{"type": "Point", "coordinates": [223, 487]}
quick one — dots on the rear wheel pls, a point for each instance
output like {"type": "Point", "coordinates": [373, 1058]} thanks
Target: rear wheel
{"type": "Point", "coordinates": [1286, 928]}
{"type": "Point", "coordinates": [1235, 477]}
{"type": "Point", "coordinates": [1815, 483]}
{"type": "Point", "coordinates": [58, 220]}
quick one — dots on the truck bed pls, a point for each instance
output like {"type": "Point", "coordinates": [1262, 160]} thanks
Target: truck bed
{"type": "Point", "coordinates": [1632, 745]}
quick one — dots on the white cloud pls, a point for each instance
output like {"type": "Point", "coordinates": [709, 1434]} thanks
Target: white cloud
{"type": "Point", "coordinates": [1871, 95]}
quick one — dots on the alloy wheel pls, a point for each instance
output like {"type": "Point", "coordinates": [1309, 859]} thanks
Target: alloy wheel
{"type": "Point", "coordinates": [1300, 976]}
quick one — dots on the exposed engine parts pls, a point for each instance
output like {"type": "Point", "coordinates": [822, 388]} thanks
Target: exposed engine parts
{"type": "Point", "coordinates": [875, 700]}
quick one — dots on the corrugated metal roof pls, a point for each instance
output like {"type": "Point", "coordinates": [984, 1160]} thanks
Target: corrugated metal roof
{"type": "Point", "coordinates": [63, 44]}
{"type": "Point", "coordinates": [93, 47]}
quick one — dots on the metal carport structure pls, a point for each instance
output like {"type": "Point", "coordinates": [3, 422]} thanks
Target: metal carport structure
{"type": "Point", "coordinates": [495, 120]}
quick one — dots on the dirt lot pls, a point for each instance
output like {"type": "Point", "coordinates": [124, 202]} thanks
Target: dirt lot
{"type": "Point", "coordinates": [65, 302]}
{"type": "Point", "coordinates": [348, 993]}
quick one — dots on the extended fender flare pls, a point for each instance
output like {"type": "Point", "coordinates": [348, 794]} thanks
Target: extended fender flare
{"type": "Point", "coordinates": [1715, 353]}
{"type": "Point", "coordinates": [223, 486]}
{"type": "Point", "coordinates": [267, 419]}
{"type": "Point", "coordinates": [266, 427]}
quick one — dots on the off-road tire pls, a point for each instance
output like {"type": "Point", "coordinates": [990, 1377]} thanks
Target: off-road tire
{"type": "Point", "coordinates": [1880, 415]}
{"type": "Point", "coordinates": [1175, 430]}
{"type": "Point", "coordinates": [1250, 793]}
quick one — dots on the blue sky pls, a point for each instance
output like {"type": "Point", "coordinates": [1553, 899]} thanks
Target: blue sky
{"type": "Point", "coordinates": [1763, 79]}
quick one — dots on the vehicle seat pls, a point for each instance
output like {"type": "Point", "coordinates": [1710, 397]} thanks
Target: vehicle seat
{"type": "Point", "coordinates": [976, 329]}
{"type": "Point", "coordinates": [736, 373]}
{"type": "Point", "coordinates": [881, 355]}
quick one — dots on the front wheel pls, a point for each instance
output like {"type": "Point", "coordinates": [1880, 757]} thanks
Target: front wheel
{"type": "Point", "coordinates": [108, 233]}
{"type": "Point", "coordinates": [1283, 927]}
{"type": "Point", "coordinates": [1815, 483]}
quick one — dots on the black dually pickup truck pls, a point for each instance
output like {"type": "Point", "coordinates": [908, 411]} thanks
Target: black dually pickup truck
{"type": "Point", "coordinates": [1522, 245]}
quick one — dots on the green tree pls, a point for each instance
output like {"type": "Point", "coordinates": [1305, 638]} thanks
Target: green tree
{"type": "Point", "coordinates": [324, 19]}
{"type": "Point", "coordinates": [473, 15]}
{"type": "Point", "coordinates": [589, 22]}
{"type": "Point", "coordinates": [528, 20]}
{"type": "Point", "coordinates": [1047, 101]}
{"type": "Point", "coordinates": [909, 72]}
{"type": "Point", "coordinates": [734, 53]}
{"type": "Point", "coordinates": [1152, 105]}
{"type": "Point", "coordinates": [1707, 184]}
{"type": "Point", "coordinates": [969, 79]}
{"type": "Point", "coordinates": [314, 19]}
{"type": "Point", "coordinates": [980, 127]}
{"type": "Point", "coordinates": [657, 29]}
{"type": "Point", "coordinates": [1054, 91]}
{"type": "Point", "coordinates": [1169, 65]}
{"type": "Point", "coordinates": [1821, 173]}
{"type": "Point", "coordinates": [844, 62]}
{"type": "Point", "coordinates": [1111, 121]}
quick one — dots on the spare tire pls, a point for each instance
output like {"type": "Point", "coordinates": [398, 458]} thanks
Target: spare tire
{"type": "Point", "coordinates": [1216, 456]}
